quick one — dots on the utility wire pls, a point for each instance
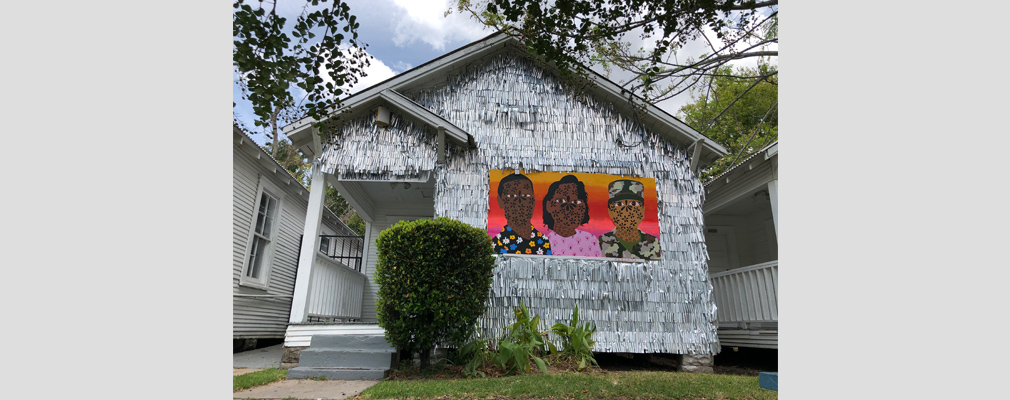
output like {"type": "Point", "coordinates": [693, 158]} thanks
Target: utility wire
{"type": "Point", "coordinates": [756, 129]}
{"type": "Point", "coordinates": [712, 123]}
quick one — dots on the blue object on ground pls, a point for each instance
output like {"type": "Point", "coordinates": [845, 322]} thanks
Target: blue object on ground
{"type": "Point", "coordinates": [769, 380]}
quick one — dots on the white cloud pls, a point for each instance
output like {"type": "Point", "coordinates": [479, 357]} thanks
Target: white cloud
{"type": "Point", "coordinates": [425, 20]}
{"type": "Point", "coordinates": [401, 66]}
{"type": "Point", "coordinates": [376, 72]}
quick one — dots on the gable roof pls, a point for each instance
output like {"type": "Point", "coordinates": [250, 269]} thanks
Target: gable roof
{"type": "Point", "coordinates": [387, 93]}
{"type": "Point", "coordinates": [769, 151]}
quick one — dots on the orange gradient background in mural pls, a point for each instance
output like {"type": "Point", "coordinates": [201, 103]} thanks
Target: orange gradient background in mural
{"type": "Point", "coordinates": [596, 189]}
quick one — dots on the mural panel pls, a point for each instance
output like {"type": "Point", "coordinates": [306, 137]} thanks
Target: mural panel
{"type": "Point", "coordinates": [573, 214]}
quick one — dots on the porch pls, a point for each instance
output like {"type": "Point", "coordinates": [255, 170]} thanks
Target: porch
{"type": "Point", "coordinates": [336, 282]}
{"type": "Point", "coordinates": [748, 305]}
{"type": "Point", "coordinates": [339, 296]}
{"type": "Point", "coordinates": [741, 233]}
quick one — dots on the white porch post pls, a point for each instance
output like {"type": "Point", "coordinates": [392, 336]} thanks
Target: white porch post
{"type": "Point", "coordinates": [773, 194]}
{"type": "Point", "coordinates": [310, 242]}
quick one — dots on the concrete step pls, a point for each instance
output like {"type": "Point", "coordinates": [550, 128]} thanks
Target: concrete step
{"type": "Point", "coordinates": [352, 342]}
{"type": "Point", "coordinates": [350, 374]}
{"type": "Point", "coordinates": [333, 358]}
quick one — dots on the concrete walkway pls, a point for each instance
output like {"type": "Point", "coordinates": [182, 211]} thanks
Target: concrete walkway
{"type": "Point", "coordinates": [267, 357]}
{"type": "Point", "coordinates": [270, 357]}
{"type": "Point", "coordinates": [306, 389]}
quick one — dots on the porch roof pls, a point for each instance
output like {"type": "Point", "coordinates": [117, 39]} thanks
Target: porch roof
{"type": "Point", "coordinates": [768, 151]}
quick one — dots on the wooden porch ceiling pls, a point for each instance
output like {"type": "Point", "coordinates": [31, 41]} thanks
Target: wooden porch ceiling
{"type": "Point", "coordinates": [376, 199]}
{"type": "Point", "coordinates": [757, 201]}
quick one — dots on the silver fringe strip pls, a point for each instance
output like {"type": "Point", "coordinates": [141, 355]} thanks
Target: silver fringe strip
{"type": "Point", "coordinates": [636, 308]}
{"type": "Point", "coordinates": [522, 118]}
{"type": "Point", "coordinates": [402, 151]}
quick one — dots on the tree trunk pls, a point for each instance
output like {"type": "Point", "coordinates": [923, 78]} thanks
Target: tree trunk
{"type": "Point", "coordinates": [425, 357]}
{"type": "Point", "coordinates": [273, 124]}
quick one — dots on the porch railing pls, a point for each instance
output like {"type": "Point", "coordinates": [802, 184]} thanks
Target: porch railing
{"type": "Point", "coordinates": [346, 249]}
{"type": "Point", "coordinates": [334, 290]}
{"type": "Point", "coordinates": [748, 294]}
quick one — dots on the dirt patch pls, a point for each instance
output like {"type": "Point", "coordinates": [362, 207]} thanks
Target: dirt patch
{"type": "Point", "coordinates": [742, 362]}
{"type": "Point", "coordinates": [243, 371]}
{"type": "Point", "coordinates": [746, 361]}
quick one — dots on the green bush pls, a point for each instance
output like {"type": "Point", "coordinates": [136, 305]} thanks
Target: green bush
{"type": "Point", "coordinates": [434, 277]}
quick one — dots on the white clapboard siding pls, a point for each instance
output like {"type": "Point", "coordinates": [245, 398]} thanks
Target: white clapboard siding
{"type": "Point", "coordinates": [301, 335]}
{"type": "Point", "coordinates": [765, 339]}
{"type": "Point", "coordinates": [244, 199]}
{"type": "Point", "coordinates": [335, 290]}
{"type": "Point", "coordinates": [264, 316]}
{"type": "Point", "coordinates": [748, 294]}
{"type": "Point", "coordinates": [371, 289]}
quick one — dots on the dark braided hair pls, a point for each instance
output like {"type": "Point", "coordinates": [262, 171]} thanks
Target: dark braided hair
{"type": "Point", "coordinates": [581, 187]}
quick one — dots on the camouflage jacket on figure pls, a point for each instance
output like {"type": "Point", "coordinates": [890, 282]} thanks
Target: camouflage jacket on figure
{"type": "Point", "coordinates": [647, 247]}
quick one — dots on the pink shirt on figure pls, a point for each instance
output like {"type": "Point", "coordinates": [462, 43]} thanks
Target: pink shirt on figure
{"type": "Point", "coordinates": [582, 243]}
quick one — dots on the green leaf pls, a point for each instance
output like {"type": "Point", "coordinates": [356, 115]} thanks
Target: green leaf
{"type": "Point", "coordinates": [541, 364]}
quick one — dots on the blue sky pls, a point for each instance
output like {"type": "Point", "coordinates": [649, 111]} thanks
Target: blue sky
{"type": "Point", "coordinates": [402, 34]}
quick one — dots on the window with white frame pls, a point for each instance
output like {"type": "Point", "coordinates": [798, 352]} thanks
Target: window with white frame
{"type": "Point", "coordinates": [262, 235]}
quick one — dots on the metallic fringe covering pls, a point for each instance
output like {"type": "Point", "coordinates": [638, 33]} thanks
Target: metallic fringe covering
{"type": "Point", "coordinates": [402, 151]}
{"type": "Point", "coordinates": [522, 118]}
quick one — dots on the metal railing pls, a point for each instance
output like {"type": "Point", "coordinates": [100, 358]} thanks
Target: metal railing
{"type": "Point", "coordinates": [346, 249]}
{"type": "Point", "coordinates": [748, 294]}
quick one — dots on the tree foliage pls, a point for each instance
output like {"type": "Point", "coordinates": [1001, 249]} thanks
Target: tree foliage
{"type": "Point", "coordinates": [290, 158]}
{"type": "Point", "coordinates": [270, 56]}
{"type": "Point", "coordinates": [356, 223]}
{"type": "Point", "coordinates": [567, 32]}
{"type": "Point", "coordinates": [434, 277]}
{"type": "Point", "coordinates": [737, 111]}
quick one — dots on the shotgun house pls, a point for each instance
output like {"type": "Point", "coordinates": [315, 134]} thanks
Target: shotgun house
{"type": "Point", "coordinates": [478, 135]}
{"type": "Point", "coordinates": [268, 217]}
{"type": "Point", "coordinates": [741, 230]}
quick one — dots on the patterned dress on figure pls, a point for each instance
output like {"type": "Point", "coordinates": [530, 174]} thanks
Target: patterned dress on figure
{"type": "Point", "coordinates": [508, 242]}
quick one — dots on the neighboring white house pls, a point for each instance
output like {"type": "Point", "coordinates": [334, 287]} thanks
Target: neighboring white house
{"type": "Point", "coordinates": [741, 230]}
{"type": "Point", "coordinates": [268, 218]}
{"type": "Point", "coordinates": [421, 145]}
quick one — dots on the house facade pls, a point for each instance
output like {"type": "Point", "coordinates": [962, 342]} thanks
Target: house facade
{"type": "Point", "coordinates": [425, 143]}
{"type": "Point", "coordinates": [268, 217]}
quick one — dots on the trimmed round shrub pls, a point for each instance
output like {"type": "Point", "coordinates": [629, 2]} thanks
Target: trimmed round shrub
{"type": "Point", "coordinates": [434, 277]}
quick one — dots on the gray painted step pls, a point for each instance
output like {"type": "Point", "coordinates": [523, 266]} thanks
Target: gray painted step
{"type": "Point", "coordinates": [334, 358]}
{"type": "Point", "coordinates": [352, 342]}
{"type": "Point", "coordinates": [349, 374]}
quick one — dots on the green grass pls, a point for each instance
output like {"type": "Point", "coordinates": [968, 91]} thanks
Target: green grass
{"type": "Point", "coordinates": [628, 385]}
{"type": "Point", "coordinates": [258, 378]}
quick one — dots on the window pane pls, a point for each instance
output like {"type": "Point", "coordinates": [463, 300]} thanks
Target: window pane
{"type": "Point", "coordinates": [253, 270]}
{"type": "Point", "coordinates": [270, 215]}
{"type": "Point", "coordinates": [261, 213]}
{"type": "Point", "coordinates": [256, 259]}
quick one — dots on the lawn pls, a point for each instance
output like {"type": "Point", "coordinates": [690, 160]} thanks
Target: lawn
{"type": "Point", "coordinates": [258, 378]}
{"type": "Point", "coordinates": [626, 385]}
